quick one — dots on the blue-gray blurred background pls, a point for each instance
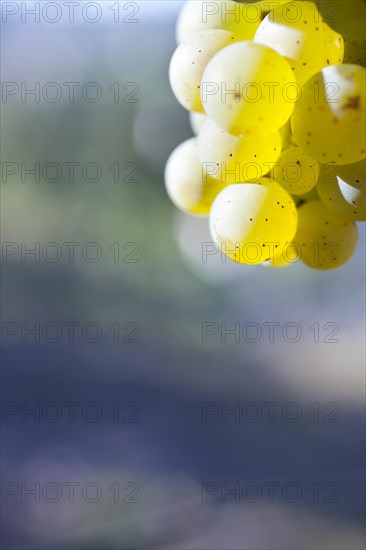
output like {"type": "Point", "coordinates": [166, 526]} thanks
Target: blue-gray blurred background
{"type": "Point", "coordinates": [129, 372]}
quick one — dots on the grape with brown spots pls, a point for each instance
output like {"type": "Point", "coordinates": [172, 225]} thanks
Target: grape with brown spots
{"type": "Point", "coordinates": [252, 222]}
{"type": "Point", "coordinates": [276, 94]}
{"type": "Point", "coordinates": [244, 89]}
{"type": "Point", "coordinates": [296, 31]}
{"type": "Point", "coordinates": [236, 159]}
{"type": "Point", "coordinates": [296, 171]}
{"type": "Point", "coordinates": [328, 121]}
{"type": "Point", "coordinates": [189, 62]}
{"type": "Point", "coordinates": [325, 241]}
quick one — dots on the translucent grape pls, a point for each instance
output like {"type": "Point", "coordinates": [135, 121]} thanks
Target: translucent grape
{"type": "Point", "coordinates": [245, 89]}
{"type": "Point", "coordinates": [324, 240]}
{"type": "Point", "coordinates": [236, 159]}
{"type": "Point", "coordinates": [188, 187]}
{"type": "Point", "coordinates": [343, 196]}
{"type": "Point", "coordinates": [328, 121]}
{"type": "Point", "coordinates": [189, 62]}
{"type": "Point", "coordinates": [295, 31]}
{"type": "Point", "coordinates": [296, 171]}
{"type": "Point", "coordinates": [196, 121]}
{"type": "Point", "coordinates": [333, 53]}
{"type": "Point", "coordinates": [253, 222]}
{"type": "Point", "coordinates": [200, 15]}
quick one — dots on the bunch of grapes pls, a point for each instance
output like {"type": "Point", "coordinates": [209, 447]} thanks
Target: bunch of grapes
{"type": "Point", "coordinates": [276, 94]}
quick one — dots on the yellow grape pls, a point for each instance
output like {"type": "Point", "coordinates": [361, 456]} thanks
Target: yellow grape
{"type": "Point", "coordinates": [296, 171]}
{"type": "Point", "coordinates": [253, 222]}
{"type": "Point", "coordinates": [328, 121]}
{"type": "Point", "coordinates": [333, 53]}
{"type": "Point", "coordinates": [189, 62]}
{"type": "Point", "coordinates": [200, 15]}
{"type": "Point", "coordinates": [324, 240]}
{"type": "Point", "coordinates": [188, 187]}
{"type": "Point", "coordinates": [245, 89]}
{"type": "Point", "coordinates": [236, 159]}
{"type": "Point", "coordinates": [295, 31]}
{"type": "Point", "coordinates": [343, 196]}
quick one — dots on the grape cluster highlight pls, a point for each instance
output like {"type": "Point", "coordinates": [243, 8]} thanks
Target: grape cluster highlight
{"type": "Point", "coordinates": [276, 94]}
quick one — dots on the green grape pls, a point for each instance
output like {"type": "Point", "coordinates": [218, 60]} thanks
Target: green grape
{"type": "Point", "coordinates": [189, 62]}
{"type": "Point", "coordinates": [295, 31]}
{"type": "Point", "coordinates": [296, 171]}
{"type": "Point", "coordinates": [253, 222]}
{"type": "Point", "coordinates": [188, 187]}
{"type": "Point", "coordinates": [245, 89]}
{"type": "Point", "coordinates": [355, 52]}
{"type": "Point", "coordinates": [196, 121]}
{"type": "Point", "coordinates": [328, 121]}
{"type": "Point", "coordinates": [236, 159]}
{"type": "Point", "coordinates": [200, 15]}
{"type": "Point", "coordinates": [345, 16]}
{"type": "Point", "coordinates": [324, 240]}
{"type": "Point", "coordinates": [343, 196]}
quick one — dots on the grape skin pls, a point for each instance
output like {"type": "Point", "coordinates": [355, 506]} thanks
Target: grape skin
{"type": "Point", "coordinates": [188, 187]}
{"type": "Point", "coordinates": [325, 240]}
{"type": "Point", "coordinates": [328, 121]}
{"type": "Point", "coordinates": [253, 222]}
{"type": "Point", "coordinates": [238, 91]}
{"type": "Point", "coordinates": [235, 159]}
{"type": "Point", "coordinates": [298, 34]}
{"type": "Point", "coordinates": [296, 171]}
{"type": "Point", "coordinates": [189, 62]}
{"type": "Point", "coordinates": [333, 47]}
{"type": "Point", "coordinates": [239, 122]}
{"type": "Point", "coordinates": [200, 15]}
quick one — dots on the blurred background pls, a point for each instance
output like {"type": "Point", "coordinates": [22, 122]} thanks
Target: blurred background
{"type": "Point", "coordinates": [154, 396]}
